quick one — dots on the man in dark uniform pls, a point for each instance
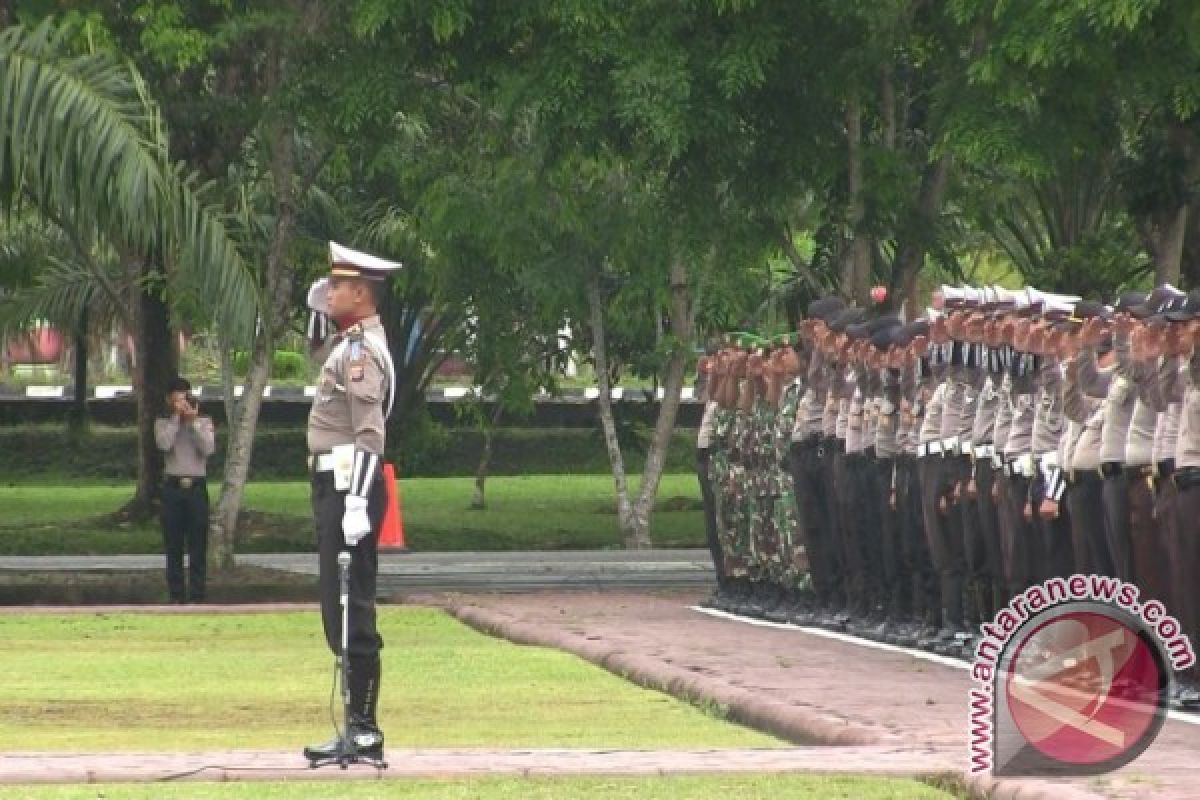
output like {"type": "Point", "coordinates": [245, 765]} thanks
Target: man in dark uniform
{"type": "Point", "coordinates": [346, 440]}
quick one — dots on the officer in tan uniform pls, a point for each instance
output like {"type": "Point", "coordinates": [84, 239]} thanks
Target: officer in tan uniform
{"type": "Point", "coordinates": [346, 434]}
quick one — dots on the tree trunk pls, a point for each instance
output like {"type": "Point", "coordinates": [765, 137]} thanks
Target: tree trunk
{"type": "Point", "coordinates": [273, 318]}
{"type": "Point", "coordinates": [681, 332]}
{"type": "Point", "coordinates": [223, 522]}
{"type": "Point", "coordinates": [632, 534]}
{"type": "Point", "coordinates": [479, 498]}
{"type": "Point", "coordinates": [1165, 243]}
{"type": "Point", "coordinates": [77, 424]}
{"type": "Point", "coordinates": [856, 266]}
{"type": "Point", "coordinates": [910, 255]}
{"type": "Point", "coordinates": [228, 397]}
{"type": "Point", "coordinates": [155, 365]}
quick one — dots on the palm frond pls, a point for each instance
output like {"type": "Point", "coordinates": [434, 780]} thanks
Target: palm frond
{"type": "Point", "coordinates": [81, 134]}
{"type": "Point", "coordinates": [63, 290]}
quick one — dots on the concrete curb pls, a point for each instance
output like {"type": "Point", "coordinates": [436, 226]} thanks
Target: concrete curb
{"type": "Point", "coordinates": [780, 719]}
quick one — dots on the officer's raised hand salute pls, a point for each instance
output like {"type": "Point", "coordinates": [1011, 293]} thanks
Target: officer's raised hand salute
{"type": "Point", "coordinates": [346, 436]}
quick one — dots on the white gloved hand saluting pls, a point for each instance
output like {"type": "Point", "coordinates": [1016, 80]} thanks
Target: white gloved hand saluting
{"type": "Point", "coordinates": [355, 523]}
{"type": "Point", "coordinates": [318, 296]}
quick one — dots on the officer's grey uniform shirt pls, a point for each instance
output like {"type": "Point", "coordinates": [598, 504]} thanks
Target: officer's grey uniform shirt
{"type": "Point", "coordinates": [870, 409]}
{"type": "Point", "coordinates": [829, 413]}
{"type": "Point", "coordinates": [952, 402]}
{"type": "Point", "coordinates": [912, 410]}
{"type": "Point", "coordinates": [1139, 442]}
{"type": "Point", "coordinates": [1187, 449]}
{"type": "Point", "coordinates": [1164, 392]}
{"type": "Point", "coordinates": [1122, 394]}
{"type": "Point", "coordinates": [1048, 421]}
{"type": "Point", "coordinates": [186, 447]}
{"type": "Point", "coordinates": [854, 423]}
{"type": "Point", "coordinates": [985, 413]}
{"type": "Point", "coordinates": [887, 434]}
{"type": "Point", "coordinates": [1070, 439]}
{"type": "Point", "coordinates": [931, 426]}
{"type": "Point", "coordinates": [1024, 405]}
{"type": "Point", "coordinates": [707, 422]}
{"type": "Point", "coordinates": [351, 391]}
{"type": "Point", "coordinates": [811, 412]}
{"type": "Point", "coordinates": [1004, 413]}
{"type": "Point", "coordinates": [845, 392]}
{"type": "Point", "coordinates": [1089, 411]}
{"type": "Point", "coordinates": [975, 379]}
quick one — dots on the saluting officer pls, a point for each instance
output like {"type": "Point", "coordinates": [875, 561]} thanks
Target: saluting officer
{"type": "Point", "coordinates": [346, 434]}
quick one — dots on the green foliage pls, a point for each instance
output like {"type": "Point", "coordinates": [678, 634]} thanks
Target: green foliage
{"type": "Point", "coordinates": [285, 365]}
{"type": "Point", "coordinates": [525, 512]}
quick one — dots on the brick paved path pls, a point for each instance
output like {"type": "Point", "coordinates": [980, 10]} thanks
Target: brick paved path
{"type": "Point", "coordinates": [804, 685]}
{"type": "Point", "coordinates": [428, 763]}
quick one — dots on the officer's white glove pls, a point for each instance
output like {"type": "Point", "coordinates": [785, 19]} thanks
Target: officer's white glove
{"type": "Point", "coordinates": [355, 523]}
{"type": "Point", "coordinates": [318, 296]}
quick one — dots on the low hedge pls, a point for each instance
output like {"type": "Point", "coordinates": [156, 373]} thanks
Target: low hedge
{"type": "Point", "coordinates": [279, 453]}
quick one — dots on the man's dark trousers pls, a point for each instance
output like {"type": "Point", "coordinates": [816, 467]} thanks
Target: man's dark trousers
{"type": "Point", "coordinates": [185, 529]}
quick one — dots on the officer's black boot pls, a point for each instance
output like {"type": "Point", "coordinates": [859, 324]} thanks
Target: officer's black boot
{"type": "Point", "coordinates": [949, 637]}
{"type": "Point", "coordinates": [362, 736]}
{"type": "Point", "coordinates": [364, 731]}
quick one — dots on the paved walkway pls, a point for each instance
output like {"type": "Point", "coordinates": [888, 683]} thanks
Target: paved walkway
{"type": "Point", "coordinates": [271, 765]}
{"type": "Point", "coordinates": [465, 571]}
{"type": "Point", "coordinates": [804, 685]}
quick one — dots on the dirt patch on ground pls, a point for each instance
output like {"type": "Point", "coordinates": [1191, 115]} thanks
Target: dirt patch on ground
{"type": "Point", "coordinates": [137, 587]}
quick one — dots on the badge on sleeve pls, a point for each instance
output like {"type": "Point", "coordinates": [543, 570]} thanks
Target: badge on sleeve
{"type": "Point", "coordinates": [356, 361]}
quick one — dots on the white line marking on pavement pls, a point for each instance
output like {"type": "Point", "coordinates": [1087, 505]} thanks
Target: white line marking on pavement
{"type": "Point", "coordinates": [1178, 716]}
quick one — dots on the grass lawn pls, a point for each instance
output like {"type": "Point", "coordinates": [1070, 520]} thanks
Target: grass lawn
{"type": "Point", "coordinates": [536, 512]}
{"type": "Point", "coordinates": [770, 787]}
{"type": "Point", "coordinates": [162, 682]}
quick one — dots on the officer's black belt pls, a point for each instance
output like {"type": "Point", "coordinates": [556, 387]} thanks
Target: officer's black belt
{"type": "Point", "coordinates": [1186, 477]}
{"type": "Point", "coordinates": [1164, 468]}
{"type": "Point", "coordinates": [183, 481]}
{"type": "Point", "coordinates": [1111, 469]}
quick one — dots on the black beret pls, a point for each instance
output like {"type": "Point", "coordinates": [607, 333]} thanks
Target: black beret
{"type": "Point", "coordinates": [858, 331]}
{"type": "Point", "coordinates": [1189, 309]}
{"type": "Point", "coordinates": [883, 338]}
{"type": "Point", "coordinates": [1129, 300]}
{"type": "Point", "coordinates": [1156, 302]}
{"type": "Point", "coordinates": [826, 308]}
{"type": "Point", "coordinates": [1087, 309]}
{"type": "Point", "coordinates": [850, 316]}
{"type": "Point", "coordinates": [885, 322]}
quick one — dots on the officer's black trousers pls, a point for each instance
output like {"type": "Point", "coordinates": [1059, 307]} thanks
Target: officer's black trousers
{"type": "Point", "coordinates": [703, 456]}
{"type": "Point", "coordinates": [185, 529]}
{"type": "Point", "coordinates": [1087, 508]}
{"type": "Point", "coordinates": [364, 641]}
{"type": "Point", "coordinates": [988, 565]}
{"type": "Point", "coordinates": [812, 506]}
{"type": "Point", "coordinates": [925, 590]}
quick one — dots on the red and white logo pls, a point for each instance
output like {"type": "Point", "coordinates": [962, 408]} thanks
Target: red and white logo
{"type": "Point", "coordinates": [1082, 689]}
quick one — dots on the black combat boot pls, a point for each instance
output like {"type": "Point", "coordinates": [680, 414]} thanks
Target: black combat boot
{"type": "Point", "coordinates": [362, 737]}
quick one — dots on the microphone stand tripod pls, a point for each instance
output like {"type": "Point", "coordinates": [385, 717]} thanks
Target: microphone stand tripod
{"type": "Point", "coordinates": [347, 753]}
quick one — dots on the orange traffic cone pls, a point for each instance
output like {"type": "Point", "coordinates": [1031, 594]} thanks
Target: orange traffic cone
{"type": "Point", "coordinates": [391, 533]}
